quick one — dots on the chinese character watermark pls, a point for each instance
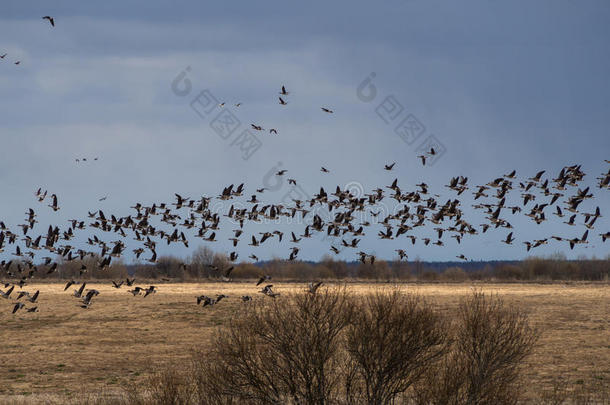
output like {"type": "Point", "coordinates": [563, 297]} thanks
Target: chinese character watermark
{"type": "Point", "coordinates": [406, 125]}
{"type": "Point", "coordinates": [221, 119]}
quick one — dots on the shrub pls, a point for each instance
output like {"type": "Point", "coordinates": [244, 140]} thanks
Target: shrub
{"type": "Point", "coordinates": [391, 341]}
{"type": "Point", "coordinates": [455, 274]}
{"type": "Point", "coordinates": [280, 351]}
{"type": "Point", "coordinates": [335, 347]}
{"type": "Point", "coordinates": [490, 342]}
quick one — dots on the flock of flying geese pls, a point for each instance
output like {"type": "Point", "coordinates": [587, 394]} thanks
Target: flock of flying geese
{"type": "Point", "coordinates": [415, 208]}
{"type": "Point", "coordinates": [282, 101]}
{"type": "Point", "coordinates": [46, 17]}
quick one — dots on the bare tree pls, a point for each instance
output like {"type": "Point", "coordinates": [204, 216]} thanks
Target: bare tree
{"type": "Point", "coordinates": [490, 341]}
{"type": "Point", "coordinates": [281, 351]}
{"type": "Point", "coordinates": [206, 263]}
{"type": "Point", "coordinates": [391, 341]}
{"type": "Point", "coordinates": [335, 348]}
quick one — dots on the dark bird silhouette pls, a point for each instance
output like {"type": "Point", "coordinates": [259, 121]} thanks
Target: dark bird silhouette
{"type": "Point", "coordinates": [7, 294]}
{"type": "Point", "coordinates": [18, 306]}
{"type": "Point", "coordinates": [262, 279]}
{"type": "Point", "coordinates": [34, 297]}
{"type": "Point", "coordinates": [79, 293]}
{"type": "Point", "coordinates": [54, 205]}
{"type": "Point", "coordinates": [50, 19]}
{"type": "Point", "coordinates": [150, 290]}
{"type": "Point", "coordinates": [312, 287]}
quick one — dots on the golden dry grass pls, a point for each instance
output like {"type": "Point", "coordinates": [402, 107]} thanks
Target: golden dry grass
{"type": "Point", "coordinates": [64, 350]}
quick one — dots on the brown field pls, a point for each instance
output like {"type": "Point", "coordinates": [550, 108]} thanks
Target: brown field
{"type": "Point", "coordinates": [65, 351]}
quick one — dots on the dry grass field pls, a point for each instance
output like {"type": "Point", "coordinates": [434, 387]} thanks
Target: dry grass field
{"type": "Point", "coordinates": [65, 351]}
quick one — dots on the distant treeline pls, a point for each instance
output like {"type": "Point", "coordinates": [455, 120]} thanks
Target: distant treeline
{"type": "Point", "coordinates": [205, 264]}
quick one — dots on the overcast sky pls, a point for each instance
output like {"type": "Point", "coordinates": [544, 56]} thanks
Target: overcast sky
{"type": "Point", "coordinates": [518, 85]}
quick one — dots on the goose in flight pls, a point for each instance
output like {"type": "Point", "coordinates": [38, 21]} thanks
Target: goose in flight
{"type": "Point", "coordinates": [558, 212]}
{"type": "Point", "coordinates": [18, 306]}
{"type": "Point", "coordinates": [150, 290]}
{"type": "Point", "coordinates": [282, 102]}
{"type": "Point", "coordinates": [153, 259]}
{"type": "Point", "coordinates": [34, 297]}
{"type": "Point", "coordinates": [269, 292]}
{"type": "Point", "coordinates": [135, 291]}
{"type": "Point", "coordinates": [227, 273]}
{"type": "Point", "coordinates": [266, 235]}
{"type": "Point", "coordinates": [40, 195]}
{"type": "Point", "coordinates": [50, 19]}
{"type": "Point", "coordinates": [6, 294]}
{"type": "Point", "coordinates": [2, 56]}
{"type": "Point", "coordinates": [262, 279]}
{"type": "Point", "coordinates": [88, 297]}
{"type": "Point", "coordinates": [283, 92]}
{"type": "Point", "coordinates": [54, 205]}
{"type": "Point", "coordinates": [22, 294]}
{"type": "Point", "coordinates": [206, 300]}
{"type": "Point", "coordinates": [576, 241]}
{"type": "Point", "coordinates": [327, 110]}
{"type": "Point", "coordinates": [79, 293]}
{"type": "Point", "coordinates": [279, 234]}
{"type": "Point", "coordinates": [571, 220]}
{"type": "Point", "coordinates": [402, 254]}
{"type": "Point", "coordinates": [312, 287]}
{"type": "Point", "coordinates": [389, 167]}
